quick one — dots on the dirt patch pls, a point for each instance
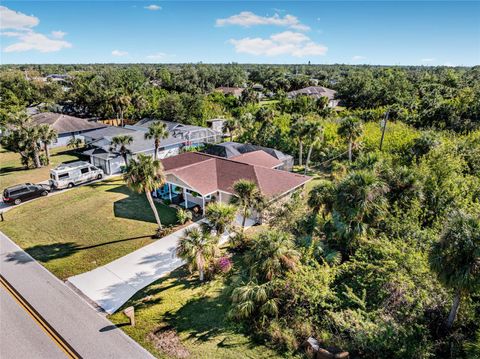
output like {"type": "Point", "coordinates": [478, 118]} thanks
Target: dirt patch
{"type": "Point", "coordinates": [167, 340]}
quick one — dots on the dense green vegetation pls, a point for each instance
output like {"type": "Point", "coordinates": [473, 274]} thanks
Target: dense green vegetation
{"type": "Point", "coordinates": [381, 256]}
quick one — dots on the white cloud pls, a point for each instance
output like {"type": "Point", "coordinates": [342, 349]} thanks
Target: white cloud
{"type": "Point", "coordinates": [119, 53]}
{"type": "Point", "coordinates": [358, 58]}
{"type": "Point", "coordinates": [428, 60]}
{"type": "Point", "coordinates": [153, 7]}
{"type": "Point", "coordinates": [27, 38]}
{"type": "Point", "coordinates": [10, 19]}
{"type": "Point", "coordinates": [58, 34]}
{"type": "Point", "coordinates": [285, 43]}
{"type": "Point", "coordinates": [247, 19]}
{"type": "Point", "coordinates": [30, 40]}
{"type": "Point", "coordinates": [157, 56]}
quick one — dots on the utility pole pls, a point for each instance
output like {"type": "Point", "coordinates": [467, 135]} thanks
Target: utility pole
{"type": "Point", "coordinates": [384, 126]}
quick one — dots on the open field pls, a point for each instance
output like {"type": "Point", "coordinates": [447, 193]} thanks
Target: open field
{"type": "Point", "coordinates": [13, 172]}
{"type": "Point", "coordinates": [196, 312]}
{"type": "Point", "coordinates": [81, 229]}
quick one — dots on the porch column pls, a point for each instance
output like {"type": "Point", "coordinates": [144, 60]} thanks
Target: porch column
{"type": "Point", "coordinates": [170, 191]}
{"type": "Point", "coordinates": [185, 197]}
{"type": "Point", "coordinates": [203, 205]}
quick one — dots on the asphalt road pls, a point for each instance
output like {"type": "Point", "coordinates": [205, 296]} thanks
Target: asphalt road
{"type": "Point", "coordinates": [85, 330]}
{"type": "Point", "coordinates": [19, 336]}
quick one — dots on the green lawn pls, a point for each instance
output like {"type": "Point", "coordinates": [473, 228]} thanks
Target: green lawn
{"type": "Point", "coordinates": [89, 226]}
{"type": "Point", "coordinates": [196, 312]}
{"type": "Point", "coordinates": [13, 172]}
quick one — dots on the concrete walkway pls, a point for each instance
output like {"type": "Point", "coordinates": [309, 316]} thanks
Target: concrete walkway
{"type": "Point", "coordinates": [90, 334]}
{"type": "Point", "coordinates": [111, 285]}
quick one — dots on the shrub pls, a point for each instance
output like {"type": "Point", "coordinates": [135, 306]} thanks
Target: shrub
{"type": "Point", "coordinates": [183, 216]}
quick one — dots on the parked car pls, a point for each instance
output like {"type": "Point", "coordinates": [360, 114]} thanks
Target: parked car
{"type": "Point", "coordinates": [67, 175]}
{"type": "Point", "coordinates": [24, 192]}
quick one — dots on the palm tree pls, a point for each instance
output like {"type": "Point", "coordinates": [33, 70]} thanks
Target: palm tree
{"type": "Point", "coordinates": [350, 128]}
{"type": "Point", "coordinates": [196, 247]}
{"type": "Point", "coordinates": [272, 254]}
{"type": "Point", "coordinates": [231, 125]}
{"type": "Point", "coordinates": [31, 139]}
{"type": "Point", "coordinates": [299, 130]}
{"type": "Point", "coordinates": [145, 175]}
{"type": "Point", "coordinates": [360, 202]}
{"type": "Point", "coordinates": [456, 257]}
{"type": "Point", "coordinates": [47, 136]}
{"type": "Point", "coordinates": [74, 142]}
{"type": "Point", "coordinates": [252, 298]}
{"type": "Point", "coordinates": [314, 135]}
{"type": "Point", "coordinates": [120, 143]}
{"type": "Point", "coordinates": [322, 196]}
{"type": "Point", "coordinates": [247, 198]}
{"type": "Point", "coordinates": [158, 131]}
{"type": "Point", "coordinates": [221, 216]}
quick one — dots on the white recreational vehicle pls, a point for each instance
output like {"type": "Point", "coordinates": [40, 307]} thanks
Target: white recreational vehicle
{"type": "Point", "coordinates": [67, 175]}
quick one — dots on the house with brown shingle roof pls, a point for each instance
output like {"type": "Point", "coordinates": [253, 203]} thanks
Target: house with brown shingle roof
{"type": "Point", "coordinates": [195, 178]}
{"type": "Point", "coordinates": [234, 91]}
{"type": "Point", "coordinates": [316, 92]}
{"type": "Point", "coordinates": [66, 126]}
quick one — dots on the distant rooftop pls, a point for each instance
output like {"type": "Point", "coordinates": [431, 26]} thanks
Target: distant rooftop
{"type": "Point", "coordinates": [64, 123]}
{"type": "Point", "coordinates": [314, 91]}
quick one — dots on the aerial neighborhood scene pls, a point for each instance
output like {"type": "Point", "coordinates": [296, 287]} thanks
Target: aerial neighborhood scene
{"type": "Point", "coordinates": [240, 179]}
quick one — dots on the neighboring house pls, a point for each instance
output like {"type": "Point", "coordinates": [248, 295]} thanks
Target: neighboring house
{"type": "Point", "coordinates": [217, 124]}
{"type": "Point", "coordinates": [195, 178]}
{"type": "Point", "coordinates": [180, 136]}
{"type": "Point", "coordinates": [316, 92]}
{"type": "Point", "coordinates": [233, 150]}
{"type": "Point", "coordinates": [66, 126]}
{"type": "Point", "coordinates": [234, 91]}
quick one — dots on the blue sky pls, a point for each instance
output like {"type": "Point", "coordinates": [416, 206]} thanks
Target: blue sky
{"type": "Point", "coordinates": [325, 32]}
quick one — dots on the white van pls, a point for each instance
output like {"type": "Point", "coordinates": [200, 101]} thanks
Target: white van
{"type": "Point", "coordinates": [67, 175]}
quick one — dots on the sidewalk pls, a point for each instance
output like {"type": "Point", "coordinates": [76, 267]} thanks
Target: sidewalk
{"type": "Point", "coordinates": [111, 285]}
{"type": "Point", "coordinates": [88, 332]}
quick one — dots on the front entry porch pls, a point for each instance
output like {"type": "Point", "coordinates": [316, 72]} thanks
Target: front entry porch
{"type": "Point", "coordinates": [183, 196]}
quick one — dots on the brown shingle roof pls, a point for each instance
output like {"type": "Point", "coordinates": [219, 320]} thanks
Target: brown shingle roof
{"type": "Point", "coordinates": [64, 123]}
{"type": "Point", "coordinates": [207, 174]}
{"type": "Point", "coordinates": [258, 158]}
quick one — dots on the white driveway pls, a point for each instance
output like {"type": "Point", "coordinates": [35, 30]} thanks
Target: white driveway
{"type": "Point", "coordinates": [111, 285]}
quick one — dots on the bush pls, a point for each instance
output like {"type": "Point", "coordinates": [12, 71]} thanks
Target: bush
{"type": "Point", "coordinates": [183, 216]}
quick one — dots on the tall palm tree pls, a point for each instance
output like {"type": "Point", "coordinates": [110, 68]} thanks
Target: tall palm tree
{"type": "Point", "coordinates": [247, 198]}
{"type": "Point", "coordinates": [456, 258]}
{"type": "Point", "coordinates": [123, 102]}
{"type": "Point", "coordinates": [272, 254]}
{"type": "Point", "coordinates": [322, 196]}
{"type": "Point", "coordinates": [145, 175]}
{"type": "Point", "coordinates": [221, 216]}
{"type": "Point", "coordinates": [157, 131]}
{"type": "Point", "coordinates": [350, 128]}
{"type": "Point", "coordinates": [47, 136]}
{"type": "Point", "coordinates": [314, 135]}
{"type": "Point", "coordinates": [119, 144]}
{"type": "Point", "coordinates": [299, 130]}
{"type": "Point", "coordinates": [196, 247]}
{"type": "Point", "coordinates": [30, 141]}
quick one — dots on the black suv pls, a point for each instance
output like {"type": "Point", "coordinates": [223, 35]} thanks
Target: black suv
{"type": "Point", "coordinates": [23, 192]}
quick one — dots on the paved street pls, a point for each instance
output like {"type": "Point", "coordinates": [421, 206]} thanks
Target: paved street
{"type": "Point", "coordinates": [90, 334]}
{"type": "Point", "coordinates": [20, 337]}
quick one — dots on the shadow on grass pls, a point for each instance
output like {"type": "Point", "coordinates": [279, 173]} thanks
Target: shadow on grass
{"type": "Point", "coordinates": [135, 206]}
{"type": "Point", "coordinates": [48, 252]}
{"type": "Point", "coordinates": [6, 170]}
{"type": "Point", "coordinates": [149, 295]}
